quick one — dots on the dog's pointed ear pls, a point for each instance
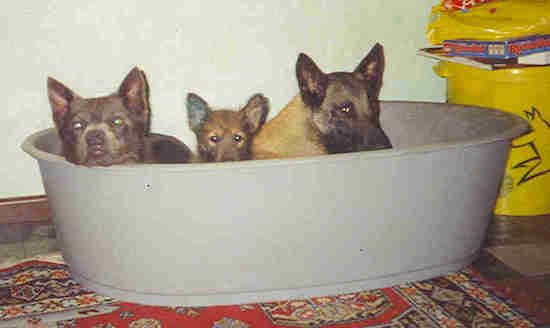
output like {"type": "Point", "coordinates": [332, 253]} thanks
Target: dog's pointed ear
{"type": "Point", "coordinates": [255, 112]}
{"type": "Point", "coordinates": [197, 112]}
{"type": "Point", "coordinates": [311, 80]}
{"type": "Point", "coordinates": [60, 98]}
{"type": "Point", "coordinates": [371, 69]}
{"type": "Point", "coordinates": [134, 93]}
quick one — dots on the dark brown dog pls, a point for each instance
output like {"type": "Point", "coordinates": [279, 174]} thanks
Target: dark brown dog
{"type": "Point", "coordinates": [334, 113]}
{"type": "Point", "coordinates": [225, 135]}
{"type": "Point", "coordinates": [165, 149]}
{"type": "Point", "coordinates": [112, 129]}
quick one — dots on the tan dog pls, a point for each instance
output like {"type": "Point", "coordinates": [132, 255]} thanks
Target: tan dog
{"type": "Point", "coordinates": [334, 113]}
{"type": "Point", "coordinates": [225, 135]}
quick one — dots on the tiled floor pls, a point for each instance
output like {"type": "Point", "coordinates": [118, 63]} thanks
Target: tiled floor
{"type": "Point", "coordinates": [517, 258]}
{"type": "Point", "coordinates": [521, 268]}
{"type": "Point", "coordinates": [20, 241]}
{"type": "Point", "coordinates": [532, 293]}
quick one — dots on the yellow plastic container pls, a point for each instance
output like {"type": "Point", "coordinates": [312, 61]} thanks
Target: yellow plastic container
{"type": "Point", "coordinates": [495, 20]}
{"type": "Point", "coordinates": [525, 188]}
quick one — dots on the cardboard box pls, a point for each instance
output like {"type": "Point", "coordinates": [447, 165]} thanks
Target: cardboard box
{"type": "Point", "coordinates": [511, 48]}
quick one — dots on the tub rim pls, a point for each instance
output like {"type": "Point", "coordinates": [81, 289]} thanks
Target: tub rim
{"type": "Point", "coordinates": [521, 127]}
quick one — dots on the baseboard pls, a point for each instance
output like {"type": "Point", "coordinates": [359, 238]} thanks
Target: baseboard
{"type": "Point", "coordinates": [24, 209]}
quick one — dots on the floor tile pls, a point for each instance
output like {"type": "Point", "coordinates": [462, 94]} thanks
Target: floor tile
{"type": "Point", "coordinates": [528, 259]}
{"type": "Point", "coordinates": [531, 295]}
{"type": "Point", "coordinates": [492, 268]}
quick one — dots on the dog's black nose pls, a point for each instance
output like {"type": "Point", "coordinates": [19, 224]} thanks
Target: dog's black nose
{"type": "Point", "coordinates": [95, 137]}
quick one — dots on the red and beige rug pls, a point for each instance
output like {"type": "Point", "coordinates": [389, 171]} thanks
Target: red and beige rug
{"type": "Point", "coordinates": [42, 294]}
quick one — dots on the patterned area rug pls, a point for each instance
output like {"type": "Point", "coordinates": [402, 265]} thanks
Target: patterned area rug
{"type": "Point", "coordinates": [42, 294]}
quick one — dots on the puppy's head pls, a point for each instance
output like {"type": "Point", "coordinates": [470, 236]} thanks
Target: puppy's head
{"type": "Point", "coordinates": [102, 131]}
{"type": "Point", "coordinates": [225, 135]}
{"type": "Point", "coordinates": [344, 105]}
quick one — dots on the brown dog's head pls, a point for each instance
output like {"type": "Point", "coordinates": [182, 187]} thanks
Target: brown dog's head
{"type": "Point", "coordinates": [225, 135]}
{"type": "Point", "coordinates": [102, 131]}
{"type": "Point", "coordinates": [345, 107]}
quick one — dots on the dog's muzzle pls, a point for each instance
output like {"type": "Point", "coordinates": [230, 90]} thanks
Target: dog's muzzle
{"type": "Point", "coordinates": [96, 143]}
{"type": "Point", "coordinates": [376, 140]}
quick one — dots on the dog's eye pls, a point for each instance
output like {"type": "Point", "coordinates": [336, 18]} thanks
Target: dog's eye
{"type": "Point", "coordinates": [214, 139]}
{"type": "Point", "coordinates": [118, 122]}
{"type": "Point", "coordinates": [345, 108]}
{"type": "Point", "coordinates": [77, 125]}
{"type": "Point", "coordinates": [237, 138]}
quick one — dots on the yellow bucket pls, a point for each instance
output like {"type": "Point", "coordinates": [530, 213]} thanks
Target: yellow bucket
{"type": "Point", "coordinates": [525, 188]}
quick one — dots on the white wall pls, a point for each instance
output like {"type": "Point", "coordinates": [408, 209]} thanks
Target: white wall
{"type": "Point", "coordinates": [223, 50]}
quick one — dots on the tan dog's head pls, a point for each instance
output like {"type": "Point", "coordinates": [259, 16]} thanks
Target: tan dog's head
{"type": "Point", "coordinates": [345, 107]}
{"type": "Point", "coordinates": [102, 131]}
{"type": "Point", "coordinates": [225, 135]}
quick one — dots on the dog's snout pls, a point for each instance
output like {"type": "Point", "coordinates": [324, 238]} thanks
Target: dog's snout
{"type": "Point", "coordinates": [225, 156]}
{"type": "Point", "coordinates": [376, 140]}
{"type": "Point", "coordinates": [95, 137]}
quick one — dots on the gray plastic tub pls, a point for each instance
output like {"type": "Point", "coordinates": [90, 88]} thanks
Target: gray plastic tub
{"type": "Point", "coordinates": [228, 233]}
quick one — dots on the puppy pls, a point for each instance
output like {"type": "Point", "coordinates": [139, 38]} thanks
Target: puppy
{"type": "Point", "coordinates": [334, 113]}
{"type": "Point", "coordinates": [113, 129]}
{"type": "Point", "coordinates": [225, 135]}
